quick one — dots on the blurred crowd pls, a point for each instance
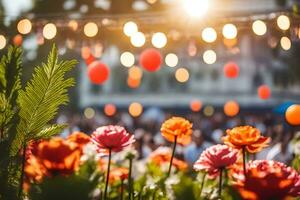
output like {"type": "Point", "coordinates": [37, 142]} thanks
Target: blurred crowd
{"type": "Point", "coordinates": [207, 131]}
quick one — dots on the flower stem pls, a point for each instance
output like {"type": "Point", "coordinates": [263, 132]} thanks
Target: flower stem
{"type": "Point", "coordinates": [173, 153]}
{"type": "Point", "coordinates": [130, 180]}
{"type": "Point", "coordinates": [107, 176]}
{"type": "Point", "coordinates": [220, 182]}
{"type": "Point", "coordinates": [22, 171]}
{"type": "Point", "coordinates": [244, 161]}
{"type": "Point", "coordinates": [122, 189]}
{"type": "Point", "coordinates": [202, 184]}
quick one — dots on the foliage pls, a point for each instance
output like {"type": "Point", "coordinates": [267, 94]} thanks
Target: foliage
{"type": "Point", "coordinates": [25, 114]}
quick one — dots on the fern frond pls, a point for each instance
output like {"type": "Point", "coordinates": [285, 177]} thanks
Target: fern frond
{"type": "Point", "coordinates": [40, 100]}
{"type": "Point", "coordinates": [50, 131]}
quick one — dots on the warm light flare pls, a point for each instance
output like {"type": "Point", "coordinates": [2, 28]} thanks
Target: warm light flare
{"type": "Point", "coordinates": [229, 31]}
{"type": "Point", "coordinates": [159, 40]}
{"type": "Point", "coordinates": [130, 28]}
{"type": "Point", "coordinates": [209, 35]}
{"type": "Point", "coordinates": [49, 31]}
{"type": "Point", "coordinates": [138, 39]}
{"type": "Point", "coordinates": [196, 8]}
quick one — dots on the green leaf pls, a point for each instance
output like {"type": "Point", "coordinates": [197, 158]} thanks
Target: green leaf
{"type": "Point", "coordinates": [50, 131]}
{"type": "Point", "coordinates": [40, 100]}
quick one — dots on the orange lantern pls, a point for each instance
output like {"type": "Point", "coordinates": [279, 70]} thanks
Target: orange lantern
{"type": "Point", "coordinates": [292, 115]}
{"type": "Point", "coordinates": [151, 59]}
{"type": "Point", "coordinates": [231, 108]}
{"type": "Point", "coordinates": [196, 105]}
{"type": "Point", "coordinates": [18, 40]}
{"type": "Point", "coordinates": [231, 70]}
{"type": "Point", "coordinates": [98, 72]}
{"type": "Point", "coordinates": [110, 109]}
{"type": "Point", "coordinates": [264, 92]}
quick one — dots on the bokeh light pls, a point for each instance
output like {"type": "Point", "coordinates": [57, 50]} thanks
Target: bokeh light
{"type": "Point", "coordinates": [259, 27]}
{"type": "Point", "coordinates": [196, 8]}
{"type": "Point", "coordinates": [138, 39]}
{"type": "Point", "coordinates": [90, 29]}
{"type": "Point", "coordinates": [283, 22]}
{"type": "Point", "coordinates": [231, 108]}
{"type": "Point", "coordinates": [182, 75]}
{"type": "Point", "coordinates": [2, 41]}
{"type": "Point", "coordinates": [110, 109]}
{"type": "Point", "coordinates": [130, 28]}
{"type": "Point", "coordinates": [285, 43]}
{"type": "Point", "coordinates": [85, 52]}
{"type": "Point", "coordinates": [171, 60]}
{"type": "Point", "coordinates": [209, 57]}
{"type": "Point", "coordinates": [127, 59]}
{"type": "Point", "coordinates": [89, 113]}
{"type": "Point", "coordinates": [229, 31]}
{"type": "Point", "coordinates": [159, 40]}
{"type": "Point", "coordinates": [24, 26]}
{"type": "Point", "coordinates": [73, 25]}
{"type": "Point", "coordinates": [18, 40]}
{"type": "Point", "coordinates": [208, 111]}
{"type": "Point", "coordinates": [209, 35]}
{"type": "Point", "coordinates": [49, 31]}
{"type": "Point", "coordinates": [195, 105]}
{"type": "Point", "coordinates": [135, 72]}
{"type": "Point", "coordinates": [135, 109]}
{"type": "Point", "coordinates": [133, 83]}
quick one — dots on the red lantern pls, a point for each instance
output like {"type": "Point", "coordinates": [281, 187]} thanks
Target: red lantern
{"type": "Point", "coordinates": [292, 115]}
{"type": "Point", "coordinates": [231, 108]}
{"type": "Point", "coordinates": [151, 59]}
{"type": "Point", "coordinates": [98, 72]}
{"type": "Point", "coordinates": [264, 92]}
{"type": "Point", "coordinates": [90, 59]}
{"type": "Point", "coordinates": [231, 70]}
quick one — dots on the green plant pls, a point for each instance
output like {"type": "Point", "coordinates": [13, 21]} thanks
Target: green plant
{"type": "Point", "coordinates": [26, 113]}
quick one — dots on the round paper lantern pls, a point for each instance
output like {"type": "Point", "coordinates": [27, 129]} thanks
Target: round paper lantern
{"type": "Point", "coordinates": [231, 70]}
{"type": "Point", "coordinates": [292, 115]}
{"type": "Point", "coordinates": [18, 40]}
{"type": "Point", "coordinates": [196, 105]}
{"type": "Point", "coordinates": [110, 109]}
{"type": "Point", "coordinates": [98, 72]}
{"type": "Point", "coordinates": [264, 92]}
{"type": "Point", "coordinates": [90, 59]}
{"type": "Point", "coordinates": [151, 59]}
{"type": "Point", "coordinates": [231, 108]}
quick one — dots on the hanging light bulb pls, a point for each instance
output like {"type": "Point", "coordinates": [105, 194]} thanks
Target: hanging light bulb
{"type": "Point", "coordinates": [259, 27]}
{"type": "Point", "coordinates": [130, 28]}
{"type": "Point", "coordinates": [209, 35]}
{"type": "Point", "coordinates": [90, 29]}
{"type": "Point", "coordinates": [49, 31]}
{"type": "Point", "coordinates": [138, 39]}
{"type": "Point", "coordinates": [159, 40]}
{"type": "Point", "coordinates": [24, 26]}
{"type": "Point", "coordinates": [283, 22]}
{"type": "Point", "coordinates": [209, 57]}
{"type": "Point", "coordinates": [229, 31]}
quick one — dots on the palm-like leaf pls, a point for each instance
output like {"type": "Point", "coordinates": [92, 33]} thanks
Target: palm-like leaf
{"type": "Point", "coordinates": [40, 100]}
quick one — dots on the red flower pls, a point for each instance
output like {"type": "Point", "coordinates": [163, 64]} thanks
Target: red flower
{"type": "Point", "coordinates": [112, 137]}
{"type": "Point", "coordinates": [118, 174]}
{"type": "Point", "coordinates": [215, 158]}
{"type": "Point", "coordinates": [267, 180]}
{"type": "Point", "coordinates": [81, 139]}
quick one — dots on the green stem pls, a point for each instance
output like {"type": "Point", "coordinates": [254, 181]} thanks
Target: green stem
{"type": "Point", "coordinates": [202, 184]}
{"type": "Point", "coordinates": [107, 176]}
{"type": "Point", "coordinates": [220, 182]}
{"type": "Point", "coordinates": [130, 180]}
{"type": "Point", "coordinates": [244, 161]}
{"type": "Point", "coordinates": [22, 171]}
{"type": "Point", "coordinates": [122, 189]}
{"type": "Point", "coordinates": [173, 153]}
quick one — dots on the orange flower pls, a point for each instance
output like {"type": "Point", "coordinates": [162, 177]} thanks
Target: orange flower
{"type": "Point", "coordinates": [162, 155]}
{"type": "Point", "coordinates": [246, 136]}
{"type": "Point", "coordinates": [81, 139]}
{"type": "Point", "coordinates": [59, 156]}
{"type": "Point", "coordinates": [177, 127]}
{"type": "Point", "coordinates": [118, 174]}
{"type": "Point", "coordinates": [34, 170]}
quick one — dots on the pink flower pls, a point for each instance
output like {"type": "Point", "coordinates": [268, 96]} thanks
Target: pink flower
{"type": "Point", "coordinates": [267, 179]}
{"type": "Point", "coordinates": [112, 137]}
{"type": "Point", "coordinates": [215, 158]}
